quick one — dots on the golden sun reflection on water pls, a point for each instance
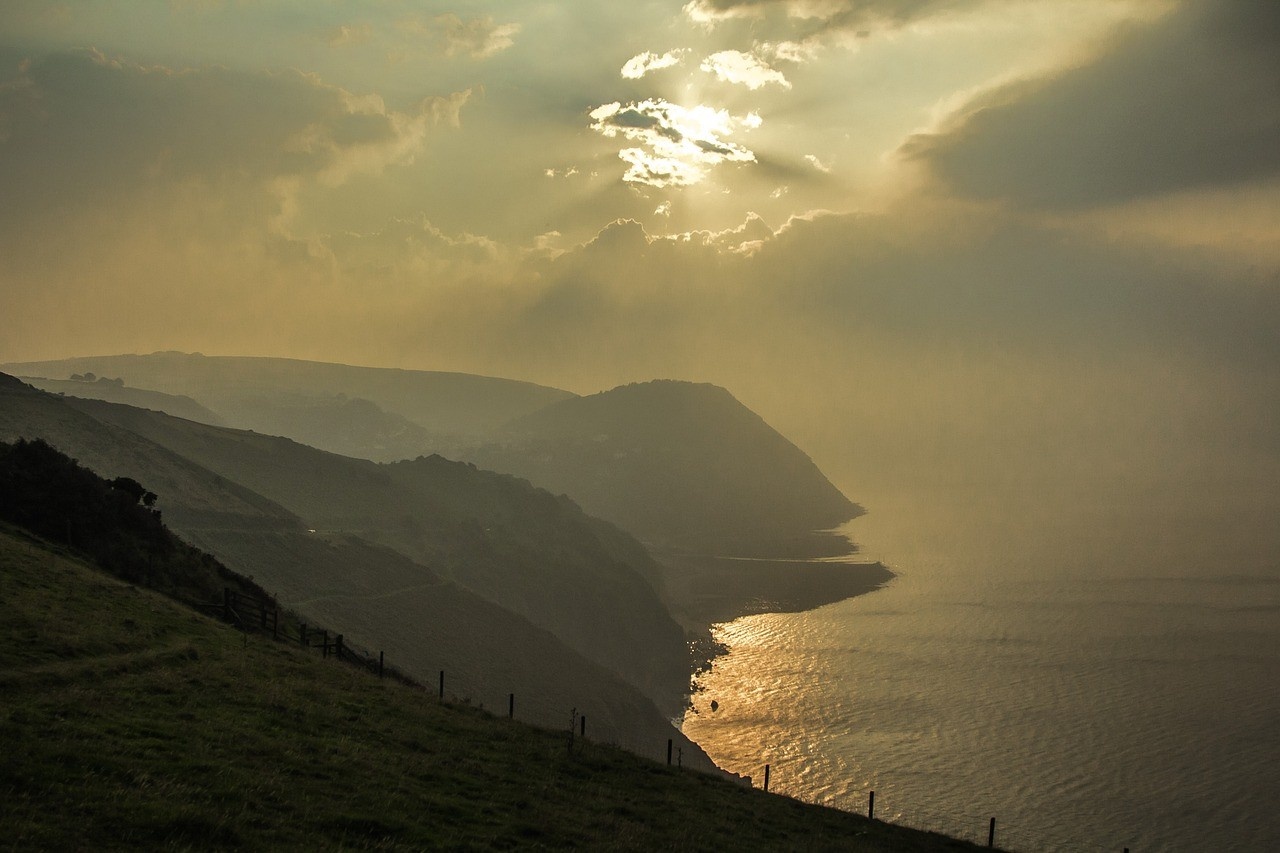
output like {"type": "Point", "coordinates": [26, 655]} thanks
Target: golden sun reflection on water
{"type": "Point", "coordinates": [756, 690]}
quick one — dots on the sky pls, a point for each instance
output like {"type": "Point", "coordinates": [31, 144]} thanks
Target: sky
{"type": "Point", "coordinates": [1020, 241]}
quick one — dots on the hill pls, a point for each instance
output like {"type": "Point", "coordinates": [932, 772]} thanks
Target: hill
{"type": "Point", "coordinates": [536, 555]}
{"type": "Point", "coordinates": [192, 496]}
{"type": "Point", "coordinates": [681, 465]}
{"type": "Point", "coordinates": [242, 390]}
{"type": "Point", "coordinates": [376, 597]}
{"type": "Point", "coordinates": [132, 722]}
{"type": "Point", "coordinates": [95, 387]}
{"type": "Point", "coordinates": [539, 557]}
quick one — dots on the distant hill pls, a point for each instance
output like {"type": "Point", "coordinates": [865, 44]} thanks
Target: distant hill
{"type": "Point", "coordinates": [191, 496]}
{"type": "Point", "coordinates": [678, 464]}
{"type": "Point", "coordinates": [443, 404]}
{"type": "Point", "coordinates": [684, 466]}
{"type": "Point", "coordinates": [115, 391]}
{"type": "Point", "coordinates": [352, 426]}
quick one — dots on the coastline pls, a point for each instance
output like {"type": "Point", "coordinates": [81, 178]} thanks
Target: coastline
{"type": "Point", "coordinates": [703, 590]}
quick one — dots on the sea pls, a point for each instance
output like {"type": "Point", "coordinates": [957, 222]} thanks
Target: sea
{"type": "Point", "coordinates": [1095, 675]}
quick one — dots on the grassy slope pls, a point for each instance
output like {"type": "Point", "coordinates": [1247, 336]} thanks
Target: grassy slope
{"type": "Point", "coordinates": [129, 721]}
{"type": "Point", "coordinates": [523, 549]}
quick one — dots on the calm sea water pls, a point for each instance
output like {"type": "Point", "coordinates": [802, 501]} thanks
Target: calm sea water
{"type": "Point", "coordinates": [1094, 679]}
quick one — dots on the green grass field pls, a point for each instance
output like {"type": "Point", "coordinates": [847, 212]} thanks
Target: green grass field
{"type": "Point", "coordinates": [130, 721]}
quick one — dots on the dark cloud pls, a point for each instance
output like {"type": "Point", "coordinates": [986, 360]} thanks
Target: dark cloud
{"type": "Point", "coordinates": [1190, 101]}
{"type": "Point", "coordinates": [80, 129]}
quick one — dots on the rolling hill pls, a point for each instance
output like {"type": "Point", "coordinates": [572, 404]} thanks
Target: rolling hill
{"type": "Point", "coordinates": [384, 599]}
{"type": "Point", "coordinates": [240, 388]}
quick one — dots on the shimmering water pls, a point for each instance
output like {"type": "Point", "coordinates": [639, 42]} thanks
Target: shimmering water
{"type": "Point", "coordinates": [1089, 698]}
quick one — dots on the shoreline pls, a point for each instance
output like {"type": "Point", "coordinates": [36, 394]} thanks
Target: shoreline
{"type": "Point", "coordinates": [706, 590]}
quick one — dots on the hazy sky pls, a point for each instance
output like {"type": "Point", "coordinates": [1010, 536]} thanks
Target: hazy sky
{"type": "Point", "coordinates": [1009, 226]}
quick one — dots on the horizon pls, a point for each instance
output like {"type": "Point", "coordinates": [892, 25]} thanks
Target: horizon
{"type": "Point", "coordinates": [924, 241]}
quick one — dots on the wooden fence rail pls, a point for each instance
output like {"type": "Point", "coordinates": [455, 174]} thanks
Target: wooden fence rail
{"type": "Point", "coordinates": [249, 613]}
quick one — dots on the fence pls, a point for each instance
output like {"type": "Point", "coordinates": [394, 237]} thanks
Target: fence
{"type": "Point", "coordinates": [972, 826]}
{"type": "Point", "coordinates": [253, 614]}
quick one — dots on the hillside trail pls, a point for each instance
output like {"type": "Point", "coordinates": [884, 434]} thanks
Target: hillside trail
{"type": "Point", "coordinates": [73, 669]}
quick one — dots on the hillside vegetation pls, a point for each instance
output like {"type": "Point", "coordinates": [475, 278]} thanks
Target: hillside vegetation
{"type": "Point", "coordinates": [131, 722]}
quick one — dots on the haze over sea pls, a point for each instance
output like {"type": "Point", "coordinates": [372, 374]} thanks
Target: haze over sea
{"type": "Point", "coordinates": [1095, 675]}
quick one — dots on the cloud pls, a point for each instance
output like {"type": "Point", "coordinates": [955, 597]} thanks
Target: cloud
{"type": "Point", "coordinates": [643, 63]}
{"type": "Point", "coordinates": [416, 249]}
{"type": "Point", "coordinates": [817, 164]}
{"type": "Point", "coordinates": [344, 35]}
{"type": "Point", "coordinates": [745, 238]}
{"type": "Point", "coordinates": [479, 38]}
{"type": "Point", "coordinates": [714, 11]}
{"type": "Point", "coordinates": [734, 66]}
{"type": "Point", "coordinates": [795, 52]}
{"type": "Point", "coordinates": [88, 133]}
{"type": "Point", "coordinates": [1189, 101]}
{"type": "Point", "coordinates": [824, 14]}
{"type": "Point", "coordinates": [678, 145]}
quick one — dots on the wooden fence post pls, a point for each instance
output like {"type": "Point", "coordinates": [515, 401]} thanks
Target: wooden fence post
{"type": "Point", "coordinates": [991, 834]}
{"type": "Point", "coordinates": [511, 706]}
{"type": "Point", "coordinates": [766, 778]}
{"type": "Point", "coordinates": [871, 806]}
{"type": "Point", "coordinates": [442, 685]}
{"type": "Point", "coordinates": [583, 720]}
{"type": "Point", "coordinates": [668, 752]}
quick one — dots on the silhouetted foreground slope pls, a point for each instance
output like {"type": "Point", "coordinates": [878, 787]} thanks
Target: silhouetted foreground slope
{"type": "Point", "coordinates": [678, 464]}
{"type": "Point", "coordinates": [112, 523]}
{"type": "Point", "coordinates": [131, 722]}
